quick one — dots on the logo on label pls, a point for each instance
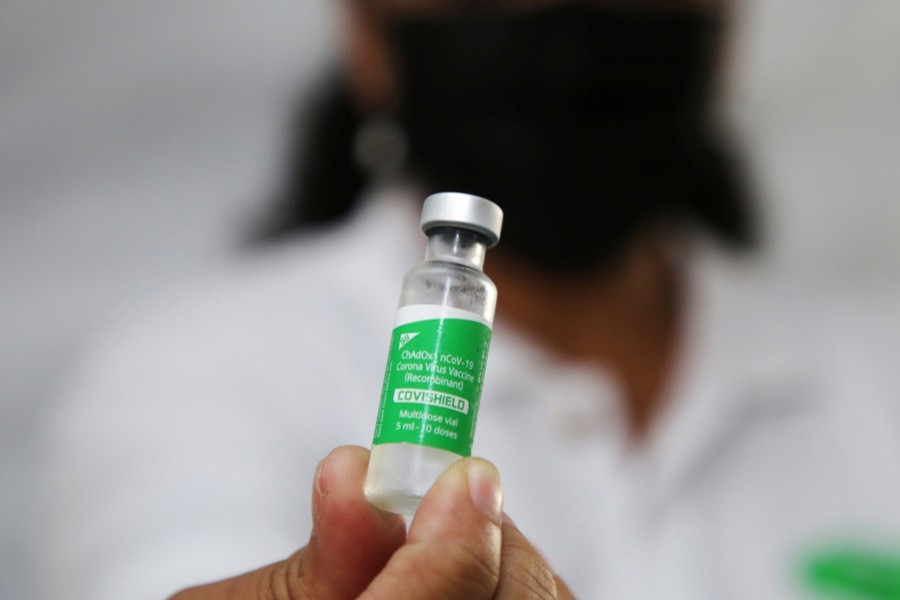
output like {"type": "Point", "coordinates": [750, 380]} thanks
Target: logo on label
{"type": "Point", "coordinates": [407, 338]}
{"type": "Point", "coordinates": [433, 398]}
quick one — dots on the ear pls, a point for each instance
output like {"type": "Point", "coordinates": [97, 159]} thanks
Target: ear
{"type": "Point", "coordinates": [366, 57]}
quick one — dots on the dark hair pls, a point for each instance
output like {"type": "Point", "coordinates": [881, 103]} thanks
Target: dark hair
{"type": "Point", "coordinates": [323, 181]}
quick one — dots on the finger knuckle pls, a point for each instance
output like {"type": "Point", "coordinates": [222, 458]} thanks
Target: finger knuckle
{"type": "Point", "coordinates": [529, 581]}
{"type": "Point", "coordinates": [285, 581]}
{"type": "Point", "coordinates": [524, 574]}
{"type": "Point", "coordinates": [450, 572]}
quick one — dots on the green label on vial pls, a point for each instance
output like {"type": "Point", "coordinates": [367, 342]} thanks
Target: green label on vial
{"type": "Point", "coordinates": [432, 384]}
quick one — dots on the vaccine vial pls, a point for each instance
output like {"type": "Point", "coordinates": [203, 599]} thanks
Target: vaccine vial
{"type": "Point", "coordinates": [437, 355]}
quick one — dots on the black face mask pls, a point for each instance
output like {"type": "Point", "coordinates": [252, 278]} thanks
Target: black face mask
{"type": "Point", "coordinates": [583, 123]}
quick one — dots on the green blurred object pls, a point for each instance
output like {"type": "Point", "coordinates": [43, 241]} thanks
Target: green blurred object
{"type": "Point", "coordinates": [855, 574]}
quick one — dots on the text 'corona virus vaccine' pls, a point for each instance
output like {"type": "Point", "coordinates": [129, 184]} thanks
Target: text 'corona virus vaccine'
{"type": "Point", "coordinates": [437, 356]}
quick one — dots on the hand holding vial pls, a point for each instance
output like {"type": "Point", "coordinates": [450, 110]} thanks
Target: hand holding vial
{"type": "Point", "coordinates": [459, 545]}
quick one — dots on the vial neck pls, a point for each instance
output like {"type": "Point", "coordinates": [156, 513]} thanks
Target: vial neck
{"type": "Point", "coordinates": [460, 246]}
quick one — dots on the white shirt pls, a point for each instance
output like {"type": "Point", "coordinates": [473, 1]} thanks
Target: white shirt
{"type": "Point", "coordinates": [185, 448]}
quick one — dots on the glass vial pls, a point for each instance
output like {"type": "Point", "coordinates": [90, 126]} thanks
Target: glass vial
{"type": "Point", "coordinates": [435, 367]}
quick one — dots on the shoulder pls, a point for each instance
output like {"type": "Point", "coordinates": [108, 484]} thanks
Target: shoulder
{"type": "Point", "coordinates": [255, 332]}
{"type": "Point", "coordinates": [205, 410]}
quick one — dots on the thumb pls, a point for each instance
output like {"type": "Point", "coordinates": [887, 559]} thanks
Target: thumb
{"type": "Point", "coordinates": [350, 543]}
{"type": "Point", "coordinates": [454, 542]}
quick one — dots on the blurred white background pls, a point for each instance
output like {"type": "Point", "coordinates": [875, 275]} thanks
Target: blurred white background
{"type": "Point", "coordinates": [138, 138]}
{"type": "Point", "coordinates": [817, 99]}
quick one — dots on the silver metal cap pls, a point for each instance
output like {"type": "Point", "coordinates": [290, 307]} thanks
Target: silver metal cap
{"type": "Point", "coordinates": [456, 209]}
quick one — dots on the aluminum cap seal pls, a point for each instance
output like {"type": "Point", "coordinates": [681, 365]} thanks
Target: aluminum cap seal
{"type": "Point", "coordinates": [456, 209]}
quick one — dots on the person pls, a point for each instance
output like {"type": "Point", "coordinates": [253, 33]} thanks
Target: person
{"type": "Point", "coordinates": [669, 421]}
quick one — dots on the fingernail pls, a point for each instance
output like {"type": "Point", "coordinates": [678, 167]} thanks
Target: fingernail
{"type": "Point", "coordinates": [317, 499]}
{"type": "Point", "coordinates": [485, 489]}
{"type": "Point", "coordinates": [318, 476]}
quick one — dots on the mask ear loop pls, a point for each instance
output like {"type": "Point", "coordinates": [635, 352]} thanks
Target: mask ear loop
{"type": "Point", "coordinates": [380, 148]}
